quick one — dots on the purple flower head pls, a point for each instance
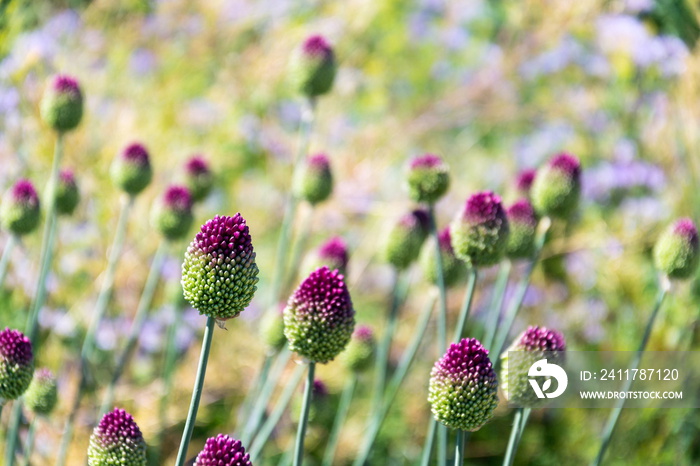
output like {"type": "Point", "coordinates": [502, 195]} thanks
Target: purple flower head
{"type": "Point", "coordinates": [65, 84]}
{"type": "Point", "coordinates": [426, 161]}
{"type": "Point", "coordinates": [200, 179]}
{"type": "Point", "coordinates": [223, 450]}
{"type": "Point", "coordinates": [219, 272]}
{"type": "Point", "coordinates": [363, 332]}
{"type": "Point", "coordinates": [131, 170]}
{"type": "Point", "coordinates": [316, 183]}
{"type": "Point", "coordinates": [67, 177]}
{"type": "Point", "coordinates": [172, 215]}
{"type": "Point", "coordinates": [313, 67]}
{"type": "Point", "coordinates": [483, 207]}
{"type": "Point", "coordinates": [686, 228]}
{"type": "Point", "coordinates": [136, 153]}
{"type": "Point", "coordinates": [523, 226]}
{"type": "Point", "coordinates": [42, 394]}
{"type": "Point", "coordinates": [480, 231]}
{"type": "Point", "coordinates": [557, 187]}
{"type": "Point", "coordinates": [359, 354]}
{"type": "Point", "coordinates": [406, 238]}
{"type": "Point", "coordinates": [67, 194]}
{"type": "Point", "coordinates": [523, 182]}
{"type": "Point", "coordinates": [677, 251]}
{"type": "Point", "coordinates": [318, 161]}
{"type": "Point", "coordinates": [319, 389]}
{"type": "Point", "coordinates": [319, 318]}
{"type": "Point", "coordinates": [541, 339]}
{"type": "Point", "coordinates": [445, 240]}
{"type": "Point", "coordinates": [62, 103]}
{"type": "Point", "coordinates": [197, 165]}
{"type": "Point", "coordinates": [334, 254]}
{"type": "Point", "coordinates": [317, 45]}
{"type": "Point", "coordinates": [463, 389]}
{"type": "Point", "coordinates": [23, 192]}
{"type": "Point", "coordinates": [19, 211]}
{"type": "Point", "coordinates": [566, 163]}
{"type": "Point", "coordinates": [428, 178]}
{"type": "Point", "coordinates": [522, 212]}
{"type": "Point", "coordinates": [16, 364]}
{"type": "Point", "coordinates": [15, 347]}
{"type": "Point", "coordinates": [416, 219]}
{"type": "Point", "coordinates": [117, 440]}
{"type": "Point", "coordinates": [178, 198]}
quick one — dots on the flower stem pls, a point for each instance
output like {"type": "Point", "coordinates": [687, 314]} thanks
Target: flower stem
{"type": "Point", "coordinates": [137, 325]}
{"type": "Point", "coordinates": [251, 397]}
{"type": "Point", "coordinates": [499, 290]}
{"type": "Point", "coordinates": [304, 418]}
{"type": "Point", "coordinates": [615, 413]}
{"type": "Point", "coordinates": [340, 415]}
{"type": "Point", "coordinates": [196, 393]}
{"type": "Point", "coordinates": [428, 445]}
{"type": "Point", "coordinates": [5, 260]}
{"type": "Point", "coordinates": [275, 415]}
{"type": "Point", "coordinates": [30, 441]}
{"type": "Point", "coordinates": [513, 440]}
{"type": "Point", "coordinates": [466, 306]}
{"type": "Point", "coordinates": [459, 449]}
{"type": "Point", "coordinates": [299, 246]}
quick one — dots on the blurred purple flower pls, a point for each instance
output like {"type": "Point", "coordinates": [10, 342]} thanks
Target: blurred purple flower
{"type": "Point", "coordinates": [638, 6]}
{"type": "Point", "coordinates": [62, 24]}
{"type": "Point", "coordinates": [289, 114]}
{"type": "Point", "coordinates": [567, 52]}
{"type": "Point", "coordinates": [618, 33]}
{"type": "Point", "coordinates": [454, 38]}
{"type": "Point", "coordinates": [532, 149]}
{"type": "Point", "coordinates": [142, 62]}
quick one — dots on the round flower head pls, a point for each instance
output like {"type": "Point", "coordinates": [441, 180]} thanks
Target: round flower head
{"type": "Point", "coordinates": [62, 103]}
{"type": "Point", "coordinates": [67, 194]}
{"type": "Point", "coordinates": [428, 178]}
{"type": "Point", "coordinates": [453, 269]}
{"type": "Point", "coordinates": [532, 345]}
{"type": "Point", "coordinates": [42, 394]}
{"type": "Point", "coordinates": [16, 364]}
{"type": "Point", "coordinates": [172, 214]}
{"type": "Point", "coordinates": [523, 225]}
{"type": "Point", "coordinates": [463, 390]}
{"type": "Point", "coordinates": [199, 178]}
{"type": "Point", "coordinates": [406, 238]}
{"type": "Point", "coordinates": [219, 272]}
{"type": "Point", "coordinates": [333, 254]}
{"type": "Point", "coordinates": [676, 252]}
{"type": "Point", "coordinates": [359, 354]}
{"type": "Point", "coordinates": [313, 67]}
{"type": "Point", "coordinates": [19, 211]}
{"type": "Point", "coordinates": [131, 170]}
{"type": "Point", "coordinates": [316, 183]}
{"type": "Point", "coordinates": [480, 232]}
{"type": "Point", "coordinates": [556, 188]}
{"type": "Point", "coordinates": [523, 182]}
{"type": "Point", "coordinates": [319, 317]}
{"type": "Point", "coordinates": [223, 450]}
{"type": "Point", "coordinates": [272, 330]}
{"type": "Point", "coordinates": [117, 440]}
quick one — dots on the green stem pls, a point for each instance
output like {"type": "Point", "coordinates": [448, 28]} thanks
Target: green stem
{"type": "Point", "coordinates": [466, 306]}
{"type": "Point", "coordinates": [300, 246]}
{"type": "Point", "coordinates": [615, 413]}
{"type": "Point", "coordinates": [5, 260]}
{"type": "Point", "coordinates": [496, 303]}
{"type": "Point", "coordinates": [514, 438]}
{"type": "Point", "coordinates": [30, 441]}
{"type": "Point", "coordinates": [459, 449]}
{"type": "Point", "coordinates": [304, 418]}
{"type": "Point", "coordinates": [428, 445]}
{"type": "Point", "coordinates": [251, 397]}
{"type": "Point", "coordinates": [196, 393]}
{"type": "Point", "coordinates": [394, 385]}
{"type": "Point", "coordinates": [340, 416]}
{"type": "Point", "coordinates": [32, 328]}
{"type": "Point", "coordinates": [275, 415]}
{"type": "Point", "coordinates": [266, 391]}
{"type": "Point", "coordinates": [137, 325]}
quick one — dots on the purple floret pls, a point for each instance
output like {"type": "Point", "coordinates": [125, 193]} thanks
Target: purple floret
{"type": "Point", "coordinates": [467, 359]}
{"type": "Point", "coordinates": [483, 207]}
{"type": "Point", "coordinates": [686, 228]}
{"type": "Point", "coordinates": [523, 182]}
{"type": "Point", "coordinates": [225, 237]}
{"type": "Point", "coordinates": [223, 450]}
{"type": "Point", "coordinates": [178, 198]}
{"type": "Point", "coordinates": [426, 161]}
{"type": "Point", "coordinates": [64, 83]}
{"type": "Point", "coordinates": [317, 45]}
{"type": "Point", "coordinates": [417, 218]}
{"type": "Point", "coordinates": [542, 339]}
{"type": "Point", "coordinates": [363, 333]}
{"type": "Point", "coordinates": [522, 212]}
{"type": "Point", "coordinates": [197, 165]}
{"type": "Point", "coordinates": [15, 347]}
{"type": "Point", "coordinates": [136, 153]}
{"type": "Point", "coordinates": [23, 192]}
{"type": "Point", "coordinates": [335, 250]}
{"type": "Point", "coordinates": [324, 297]}
{"type": "Point", "coordinates": [116, 427]}
{"type": "Point", "coordinates": [567, 164]}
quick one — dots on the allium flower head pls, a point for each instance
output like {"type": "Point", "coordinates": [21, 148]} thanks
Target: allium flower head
{"type": "Point", "coordinates": [131, 170]}
{"type": "Point", "coordinates": [117, 440]}
{"type": "Point", "coordinates": [42, 394]}
{"type": "Point", "coordinates": [428, 178]}
{"type": "Point", "coordinates": [406, 238]}
{"type": "Point", "coordinates": [19, 212]}
{"type": "Point", "coordinates": [67, 193]}
{"type": "Point", "coordinates": [359, 354]}
{"type": "Point", "coordinates": [676, 252]}
{"type": "Point", "coordinates": [319, 318]}
{"type": "Point", "coordinates": [223, 450]}
{"type": "Point", "coordinates": [16, 364]}
{"type": "Point", "coordinates": [480, 232]}
{"type": "Point", "coordinates": [453, 269]}
{"type": "Point", "coordinates": [463, 391]}
{"type": "Point", "coordinates": [313, 67]}
{"type": "Point", "coordinates": [219, 272]}
{"type": "Point", "coordinates": [199, 178]}
{"type": "Point", "coordinates": [523, 226]}
{"type": "Point", "coordinates": [316, 183]}
{"type": "Point", "coordinates": [523, 182]}
{"type": "Point", "coordinates": [530, 346]}
{"type": "Point", "coordinates": [272, 330]}
{"type": "Point", "coordinates": [62, 103]}
{"type": "Point", "coordinates": [556, 189]}
{"type": "Point", "coordinates": [172, 213]}
{"type": "Point", "coordinates": [333, 254]}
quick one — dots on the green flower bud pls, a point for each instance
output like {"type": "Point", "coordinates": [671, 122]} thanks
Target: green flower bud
{"type": "Point", "coordinates": [67, 194]}
{"type": "Point", "coordinates": [172, 215]}
{"type": "Point", "coordinates": [556, 189]}
{"type": "Point", "coordinates": [272, 330]}
{"type": "Point", "coordinates": [42, 394]}
{"type": "Point", "coordinates": [428, 179]}
{"type": "Point", "coordinates": [200, 179]}
{"type": "Point", "coordinates": [453, 270]}
{"type": "Point", "coordinates": [676, 252]}
{"type": "Point", "coordinates": [62, 104]}
{"type": "Point", "coordinates": [359, 354]}
{"type": "Point", "coordinates": [523, 227]}
{"type": "Point", "coordinates": [131, 170]}
{"type": "Point", "coordinates": [406, 238]}
{"type": "Point", "coordinates": [480, 232]}
{"type": "Point", "coordinates": [316, 183]}
{"type": "Point", "coordinates": [16, 364]}
{"type": "Point", "coordinates": [313, 67]}
{"type": "Point", "coordinates": [117, 440]}
{"type": "Point", "coordinates": [19, 212]}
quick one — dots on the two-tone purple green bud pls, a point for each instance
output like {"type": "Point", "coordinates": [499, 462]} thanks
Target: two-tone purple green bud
{"type": "Point", "coordinates": [198, 178]}
{"type": "Point", "coordinates": [42, 395]}
{"type": "Point", "coordinates": [172, 213]}
{"type": "Point", "coordinates": [16, 364]}
{"type": "Point", "coordinates": [463, 390]}
{"type": "Point", "coordinates": [333, 254]}
{"type": "Point", "coordinates": [223, 450]}
{"type": "Point", "coordinates": [406, 238]}
{"type": "Point", "coordinates": [676, 253]}
{"type": "Point", "coordinates": [219, 273]}
{"type": "Point", "coordinates": [532, 345]}
{"type": "Point", "coordinates": [62, 103]}
{"type": "Point", "coordinates": [523, 182]}
{"type": "Point", "coordinates": [480, 231]}
{"type": "Point", "coordinates": [117, 440]}
{"type": "Point", "coordinates": [131, 170]}
{"type": "Point", "coordinates": [453, 270]}
{"type": "Point", "coordinates": [20, 210]}
{"type": "Point", "coordinates": [272, 330]}
{"type": "Point", "coordinates": [67, 193]}
{"type": "Point", "coordinates": [523, 228]}
{"type": "Point", "coordinates": [319, 318]}
{"type": "Point", "coordinates": [313, 67]}
{"type": "Point", "coordinates": [556, 189]}
{"type": "Point", "coordinates": [359, 354]}
{"type": "Point", "coordinates": [316, 181]}
{"type": "Point", "coordinates": [428, 178]}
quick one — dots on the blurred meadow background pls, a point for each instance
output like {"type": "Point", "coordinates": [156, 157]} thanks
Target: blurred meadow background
{"type": "Point", "coordinates": [493, 87]}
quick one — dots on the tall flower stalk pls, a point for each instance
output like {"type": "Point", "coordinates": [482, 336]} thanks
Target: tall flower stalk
{"type": "Point", "coordinates": [12, 241]}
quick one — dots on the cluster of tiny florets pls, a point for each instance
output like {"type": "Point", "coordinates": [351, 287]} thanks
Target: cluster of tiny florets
{"type": "Point", "coordinates": [20, 209]}
{"type": "Point", "coordinates": [334, 254]}
{"type": "Point", "coordinates": [404, 242]}
{"type": "Point", "coordinates": [16, 364]}
{"type": "Point", "coordinates": [117, 440]}
{"type": "Point", "coordinates": [223, 450]}
{"type": "Point", "coordinates": [172, 214]}
{"type": "Point", "coordinates": [62, 103]}
{"type": "Point", "coordinates": [677, 251]}
{"type": "Point", "coordinates": [131, 170]}
{"type": "Point", "coordinates": [199, 178]}
{"type": "Point", "coordinates": [428, 178]}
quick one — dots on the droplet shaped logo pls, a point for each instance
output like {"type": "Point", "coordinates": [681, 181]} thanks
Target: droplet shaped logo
{"type": "Point", "coordinates": [541, 369]}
